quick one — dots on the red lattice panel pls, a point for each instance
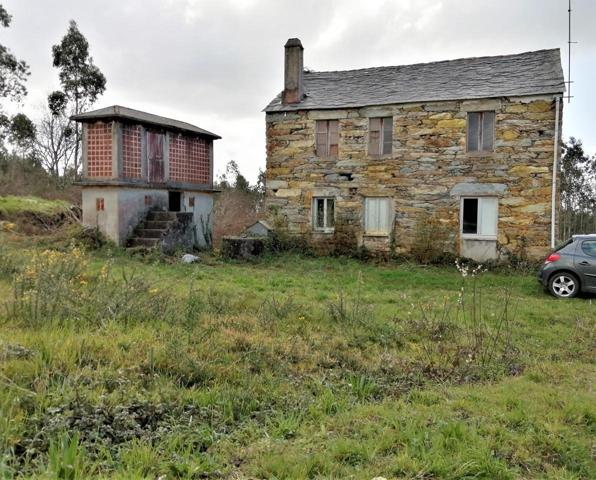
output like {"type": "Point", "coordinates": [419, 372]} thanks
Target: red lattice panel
{"type": "Point", "coordinates": [190, 159]}
{"type": "Point", "coordinates": [131, 151]}
{"type": "Point", "coordinates": [99, 149]}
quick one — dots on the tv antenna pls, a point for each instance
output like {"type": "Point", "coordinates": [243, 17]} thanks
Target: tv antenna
{"type": "Point", "coordinates": [569, 43]}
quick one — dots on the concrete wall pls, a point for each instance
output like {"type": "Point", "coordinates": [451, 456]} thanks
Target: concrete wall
{"type": "Point", "coordinates": [125, 208]}
{"type": "Point", "coordinates": [427, 173]}
{"type": "Point", "coordinates": [202, 215]}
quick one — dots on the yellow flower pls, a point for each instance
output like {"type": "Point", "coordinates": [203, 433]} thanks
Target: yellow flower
{"type": "Point", "coordinates": [153, 291]}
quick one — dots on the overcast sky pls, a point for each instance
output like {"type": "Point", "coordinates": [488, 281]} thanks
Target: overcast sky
{"type": "Point", "coordinates": [217, 63]}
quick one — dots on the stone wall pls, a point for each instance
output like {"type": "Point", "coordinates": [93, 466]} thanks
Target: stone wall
{"type": "Point", "coordinates": [427, 173]}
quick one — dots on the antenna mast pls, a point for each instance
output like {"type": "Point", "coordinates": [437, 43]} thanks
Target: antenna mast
{"type": "Point", "coordinates": [569, 42]}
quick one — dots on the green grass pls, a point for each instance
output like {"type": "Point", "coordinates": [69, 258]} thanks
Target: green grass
{"type": "Point", "coordinates": [247, 370]}
{"type": "Point", "coordinates": [16, 205]}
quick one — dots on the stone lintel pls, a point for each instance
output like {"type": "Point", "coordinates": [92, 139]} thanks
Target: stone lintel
{"type": "Point", "coordinates": [478, 189]}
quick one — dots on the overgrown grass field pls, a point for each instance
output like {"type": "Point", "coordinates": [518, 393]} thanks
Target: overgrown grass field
{"type": "Point", "coordinates": [115, 366]}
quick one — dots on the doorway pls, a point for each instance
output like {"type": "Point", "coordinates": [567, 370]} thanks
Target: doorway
{"type": "Point", "coordinates": [174, 201]}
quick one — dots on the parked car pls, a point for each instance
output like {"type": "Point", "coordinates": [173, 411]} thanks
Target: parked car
{"type": "Point", "coordinates": [571, 268]}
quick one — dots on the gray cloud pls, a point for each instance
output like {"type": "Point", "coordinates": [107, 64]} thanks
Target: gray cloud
{"type": "Point", "coordinates": [218, 63]}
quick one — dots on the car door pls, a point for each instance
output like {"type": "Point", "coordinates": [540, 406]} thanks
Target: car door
{"type": "Point", "coordinates": [585, 263]}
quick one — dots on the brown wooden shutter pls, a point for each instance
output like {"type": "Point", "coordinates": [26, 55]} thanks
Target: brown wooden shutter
{"type": "Point", "coordinates": [321, 138]}
{"type": "Point", "coordinates": [374, 136]}
{"type": "Point", "coordinates": [387, 135]}
{"type": "Point", "coordinates": [333, 138]}
{"type": "Point", "coordinates": [488, 131]}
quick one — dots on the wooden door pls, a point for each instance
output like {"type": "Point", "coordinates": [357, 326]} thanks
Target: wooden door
{"type": "Point", "coordinates": [155, 157]}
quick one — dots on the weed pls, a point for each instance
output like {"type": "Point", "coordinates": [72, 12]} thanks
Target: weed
{"type": "Point", "coordinates": [350, 311]}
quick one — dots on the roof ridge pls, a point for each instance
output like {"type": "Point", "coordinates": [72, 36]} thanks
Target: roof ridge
{"type": "Point", "coordinates": [436, 62]}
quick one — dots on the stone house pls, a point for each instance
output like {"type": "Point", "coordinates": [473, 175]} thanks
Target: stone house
{"type": "Point", "coordinates": [468, 146]}
{"type": "Point", "coordinates": [147, 180]}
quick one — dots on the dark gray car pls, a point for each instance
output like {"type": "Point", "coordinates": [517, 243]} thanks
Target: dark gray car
{"type": "Point", "coordinates": [571, 268]}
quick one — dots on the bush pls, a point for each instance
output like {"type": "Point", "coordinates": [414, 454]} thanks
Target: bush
{"type": "Point", "coordinates": [430, 237]}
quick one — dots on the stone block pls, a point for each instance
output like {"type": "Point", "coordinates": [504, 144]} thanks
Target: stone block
{"type": "Point", "coordinates": [539, 106]}
{"type": "Point", "coordinates": [452, 123]}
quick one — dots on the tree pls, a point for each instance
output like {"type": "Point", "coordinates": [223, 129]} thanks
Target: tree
{"type": "Point", "coordinates": [82, 82]}
{"type": "Point", "coordinates": [13, 74]}
{"type": "Point", "coordinates": [55, 142]}
{"type": "Point", "coordinates": [22, 133]}
{"type": "Point", "coordinates": [577, 210]}
{"type": "Point", "coordinates": [233, 179]}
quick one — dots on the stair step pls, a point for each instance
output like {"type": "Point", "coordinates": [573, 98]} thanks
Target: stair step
{"type": "Point", "coordinates": [157, 224]}
{"type": "Point", "coordinates": [144, 242]}
{"type": "Point", "coordinates": [151, 232]}
{"type": "Point", "coordinates": [156, 215]}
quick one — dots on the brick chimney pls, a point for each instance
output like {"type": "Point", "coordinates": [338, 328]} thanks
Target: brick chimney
{"type": "Point", "coordinates": [293, 72]}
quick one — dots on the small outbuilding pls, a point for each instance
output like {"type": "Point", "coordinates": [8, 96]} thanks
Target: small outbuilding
{"type": "Point", "coordinates": [144, 175]}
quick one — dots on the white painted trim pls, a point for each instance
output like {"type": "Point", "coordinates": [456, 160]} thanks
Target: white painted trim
{"type": "Point", "coordinates": [556, 151]}
{"type": "Point", "coordinates": [477, 236]}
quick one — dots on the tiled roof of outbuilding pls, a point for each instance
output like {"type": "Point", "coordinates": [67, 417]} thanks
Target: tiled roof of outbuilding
{"type": "Point", "coordinates": [530, 73]}
{"type": "Point", "coordinates": [125, 113]}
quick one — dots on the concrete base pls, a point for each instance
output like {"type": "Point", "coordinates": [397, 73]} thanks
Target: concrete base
{"type": "Point", "coordinates": [479, 250]}
{"type": "Point", "coordinates": [124, 208]}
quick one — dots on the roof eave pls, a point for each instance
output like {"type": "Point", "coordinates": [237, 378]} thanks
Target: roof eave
{"type": "Point", "coordinates": [279, 108]}
{"type": "Point", "coordinates": [83, 117]}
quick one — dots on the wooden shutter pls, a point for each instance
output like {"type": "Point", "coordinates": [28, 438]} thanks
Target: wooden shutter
{"type": "Point", "coordinates": [488, 216]}
{"type": "Point", "coordinates": [473, 131]}
{"type": "Point", "coordinates": [387, 135]}
{"type": "Point", "coordinates": [333, 138]}
{"type": "Point", "coordinates": [330, 213]}
{"type": "Point", "coordinates": [374, 136]}
{"type": "Point", "coordinates": [155, 156]}
{"type": "Point", "coordinates": [377, 215]}
{"type": "Point", "coordinates": [488, 131]}
{"type": "Point", "coordinates": [321, 138]}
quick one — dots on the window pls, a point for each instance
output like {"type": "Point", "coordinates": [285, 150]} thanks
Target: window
{"type": "Point", "coordinates": [378, 216]}
{"type": "Point", "coordinates": [99, 204]}
{"type": "Point", "coordinates": [479, 217]}
{"type": "Point", "coordinates": [481, 131]}
{"type": "Point", "coordinates": [327, 141]}
{"type": "Point", "coordinates": [589, 248]}
{"type": "Point", "coordinates": [380, 136]}
{"type": "Point", "coordinates": [323, 214]}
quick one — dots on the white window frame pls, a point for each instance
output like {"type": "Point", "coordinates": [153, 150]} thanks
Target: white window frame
{"type": "Point", "coordinates": [390, 215]}
{"type": "Point", "coordinates": [479, 220]}
{"type": "Point", "coordinates": [324, 229]}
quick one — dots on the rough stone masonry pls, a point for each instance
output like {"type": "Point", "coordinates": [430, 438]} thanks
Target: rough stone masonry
{"type": "Point", "coordinates": [429, 169]}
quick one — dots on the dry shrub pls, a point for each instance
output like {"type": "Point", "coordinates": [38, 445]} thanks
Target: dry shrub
{"type": "Point", "coordinates": [234, 210]}
{"type": "Point", "coordinates": [430, 237]}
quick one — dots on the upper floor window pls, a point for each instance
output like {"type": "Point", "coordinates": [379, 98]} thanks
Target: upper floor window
{"type": "Point", "coordinates": [323, 214]}
{"type": "Point", "coordinates": [327, 138]}
{"type": "Point", "coordinates": [481, 131]}
{"type": "Point", "coordinates": [380, 136]}
{"type": "Point", "coordinates": [479, 217]}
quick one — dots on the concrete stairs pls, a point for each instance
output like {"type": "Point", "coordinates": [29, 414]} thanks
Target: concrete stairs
{"type": "Point", "coordinates": [149, 234]}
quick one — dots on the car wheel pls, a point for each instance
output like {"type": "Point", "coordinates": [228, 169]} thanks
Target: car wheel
{"type": "Point", "coordinates": [563, 285]}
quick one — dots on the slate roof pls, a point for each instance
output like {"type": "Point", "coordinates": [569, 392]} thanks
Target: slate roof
{"type": "Point", "coordinates": [529, 73]}
{"type": "Point", "coordinates": [118, 112]}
